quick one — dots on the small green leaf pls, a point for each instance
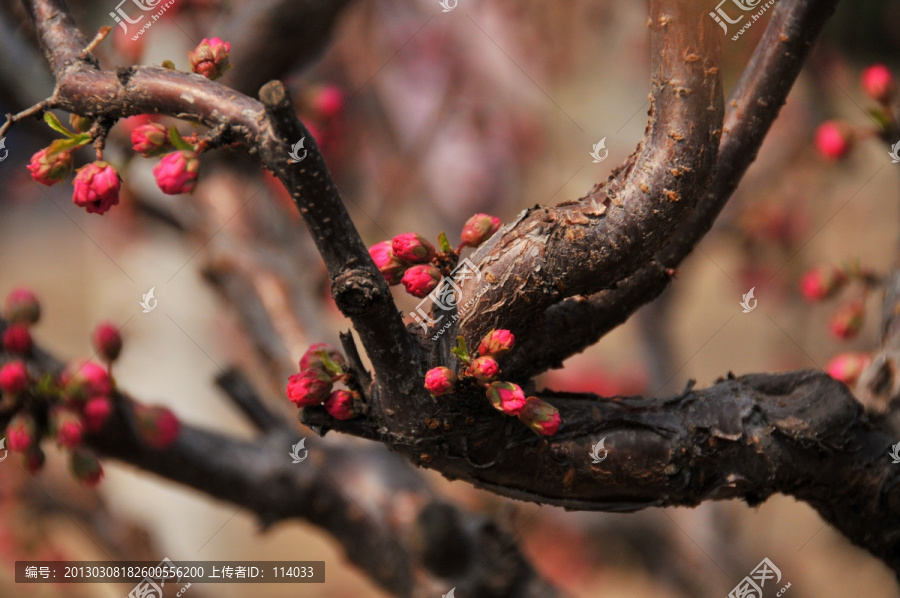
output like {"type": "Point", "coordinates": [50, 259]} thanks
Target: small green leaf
{"type": "Point", "coordinates": [57, 126]}
{"type": "Point", "coordinates": [444, 243]}
{"type": "Point", "coordinates": [883, 120]}
{"type": "Point", "coordinates": [178, 141]}
{"type": "Point", "coordinates": [461, 351]}
{"type": "Point", "coordinates": [168, 64]}
{"type": "Point", "coordinates": [65, 145]}
{"type": "Point", "coordinates": [331, 366]}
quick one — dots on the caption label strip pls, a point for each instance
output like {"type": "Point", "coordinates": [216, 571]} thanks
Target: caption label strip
{"type": "Point", "coordinates": [175, 572]}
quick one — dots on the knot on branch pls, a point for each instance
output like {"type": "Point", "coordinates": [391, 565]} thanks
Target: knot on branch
{"type": "Point", "coordinates": [356, 291]}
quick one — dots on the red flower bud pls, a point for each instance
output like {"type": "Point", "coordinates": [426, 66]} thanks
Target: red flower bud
{"type": "Point", "coordinates": [412, 248]}
{"type": "Point", "coordinates": [328, 101]}
{"type": "Point", "coordinates": [34, 460]}
{"type": "Point", "coordinates": [157, 426]}
{"type": "Point", "coordinates": [440, 381]}
{"type": "Point", "coordinates": [878, 83]}
{"type": "Point", "coordinates": [833, 140]}
{"type": "Point", "coordinates": [309, 388]}
{"type": "Point", "coordinates": [17, 339]}
{"type": "Point", "coordinates": [479, 229]}
{"type": "Point", "coordinates": [150, 139]}
{"type": "Point", "coordinates": [67, 428]}
{"type": "Point", "coordinates": [177, 172]}
{"type": "Point", "coordinates": [848, 367]}
{"type": "Point", "coordinates": [87, 379]}
{"type": "Point", "coordinates": [210, 58]}
{"type": "Point", "coordinates": [50, 169]}
{"type": "Point", "coordinates": [421, 279]}
{"type": "Point", "coordinates": [85, 467]}
{"type": "Point", "coordinates": [21, 433]}
{"type": "Point", "coordinates": [317, 356]}
{"type": "Point", "coordinates": [343, 404]}
{"type": "Point", "coordinates": [848, 321]}
{"type": "Point", "coordinates": [484, 369]}
{"type": "Point", "coordinates": [506, 397]}
{"type": "Point", "coordinates": [13, 377]}
{"type": "Point", "coordinates": [22, 307]}
{"type": "Point", "coordinates": [540, 416]}
{"type": "Point", "coordinates": [822, 283]}
{"type": "Point", "coordinates": [387, 264]}
{"type": "Point", "coordinates": [496, 343]}
{"type": "Point", "coordinates": [107, 341]}
{"type": "Point", "coordinates": [96, 411]}
{"type": "Point", "coordinates": [97, 187]}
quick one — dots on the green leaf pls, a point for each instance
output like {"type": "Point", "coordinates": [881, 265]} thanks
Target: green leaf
{"type": "Point", "coordinates": [461, 351]}
{"type": "Point", "coordinates": [331, 366]}
{"type": "Point", "coordinates": [168, 64]}
{"type": "Point", "coordinates": [444, 243]}
{"type": "Point", "coordinates": [57, 126]}
{"type": "Point", "coordinates": [883, 120]}
{"type": "Point", "coordinates": [178, 141]}
{"type": "Point", "coordinates": [65, 145]}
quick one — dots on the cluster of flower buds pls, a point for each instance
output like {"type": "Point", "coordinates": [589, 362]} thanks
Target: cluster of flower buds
{"type": "Point", "coordinates": [320, 368]}
{"type": "Point", "coordinates": [411, 260]}
{"type": "Point", "coordinates": [67, 407]}
{"type": "Point", "coordinates": [505, 396]}
{"type": "Point", "coordinates": [835, 139]}
{"type": "Point", "coordinates": [826, 282]}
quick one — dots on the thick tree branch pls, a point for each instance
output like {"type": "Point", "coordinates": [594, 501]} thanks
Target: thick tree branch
{"type": "Point", "coordinates": [573, 325]}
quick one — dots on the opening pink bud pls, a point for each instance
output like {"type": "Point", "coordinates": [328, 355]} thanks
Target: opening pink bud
{"type": "Point", "coordinates": [506, 397]}
{"type": "Point", "coordinates": [107, 341]}
{"type": "Point", "coordinates": [343, 404]}
{"type": "Point", "coordinates": [497, 343]}
{"type": "Point", "coordinates": [22, 307]}
{"type": "Point", "coordinates": [85, 467]}
{"type": "Point", "coordinates": [309, 388]}
{"type": "Point", "coordinates": [328, 101]}
{"type": "Point", "coordinates": [479, 229]}
{"type": "Point", "coordinates": [421, 279]}
{"type": "Point", "coordinates": [878, 83]}
{"type": "Point", "coordinates": [17, 339]}
{"type": "Point", "coordinates": [542, 417]}
{"type": "Point", "coordinates": [85, 380]}
{"type": "Point", "coordinates": [484, 369]}
{"type": "Point", "coordinates": [157, 426]}
{"type": "Point", "coordinates": [822, 283]}
{"type": "Point", "coordinates": [848, 367]}
{"type": "Point", "coordinates": [387, 264]}
{"type": "Point", "coordinates": [440, 381]}
{"type": "Point", "coordinates": [176, 173]}
{"type": "Point", "coordinates": [97, 187]}
{"type": "Point", "coordinates": [13, 377]}
{"type": "Point", "coordinates": [21, 433]}
{"type": "Point", "coordinates": [848, 321]}
{"type": "Point", "coordinates": [96, 411]}
{"type": "Point", "coordinates": [49, 169]}
{"type": "Point", "coordinates": [67, 427]}
{"type": "Point", "coordinates": [833, 140]}
{"type": "Point", "coordinates": [150, 139]}
{"type": "Point", "coordinates": [412, 248]}
{"type": "Point", "coordinates": [323, 357]}
{"type": "Point", "coordinates": [210, 58]}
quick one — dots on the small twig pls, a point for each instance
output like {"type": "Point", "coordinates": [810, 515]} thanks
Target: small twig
{"type": "Point", "coordinates": [356, 365]}
{"type": "Point", "coordinates": [12, 119]}
{"type": "Point", "coordinates": [242, 394]}
{"type": "Point", "coordinates": [101, 35]}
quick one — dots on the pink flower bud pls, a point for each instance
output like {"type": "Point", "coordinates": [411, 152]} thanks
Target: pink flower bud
{"type": "Point", "coordinates": [21, 433]}
{"type": "Point", "coordinates": [540, 416]}
{"type": "Point", "coordinates": [157, 426]}
{"type": "Point", "coordinates": [96, 411]}
{"type": "Point", "coordinates": [822, 283]}
{"type": "Point", "coordinates": [484, 369]}
{"type": "Point", "coordinates": [150, 139]}
{"type": "Point", "coordinates": [315, 358]}
{"type": "Point", "coordinates": [848, 321]}
{"type": "Point", "coordinates": [97, 187]}
{"type": "Point", "coordinates": [343, 404]}
{"type": "Point", "coordinates": [17, 339]}
{"type": "Point", "coordinates": [328, 101]}
{"type": "Point", "coordinates": [85, 467]}
{"type": "Point", "coordinates": [81, 124]}
{"type": "Point", "coordinates": [86, 380]}
{"type": "Point", "coordinates": [22, 307]}
{"type": "Point", "coordinates": [878, 83]}
{"type": "Point", "coordinates": [848, 367]}
{"type": "Point", "coordinates": [412, 248]}
{"type": "Point", "coordinates": [13, 377]}
{"type": "Point", "coordinates": [210, 58]}
{"type": "Point", "coordinates": [833, 140]}
{"type": "Point", "coordinates": [107, 341]}
{"type": "Point", "coordinates": [34, 460]}
{"type": "Point", "coordinates": [177, 172]}
{"type": "Point", "coordinates": [506, 397]}
{"type": "Point", "coordinates": [440, 381]}
{"type": "Point", "coordinates": [309, 388]}
{"type": "Point", "coordinates": [50, 169]}
{"type": "Point", "coordinates": [387, 264]}
{"type": "Point", "coordinates": [496, 343]}
{"type": "Point", "coordinates": [479, 229]}
{"type": "Point", "coordinates": [67, 428]}
{"type": "Point", "coordinates": [421, 279]}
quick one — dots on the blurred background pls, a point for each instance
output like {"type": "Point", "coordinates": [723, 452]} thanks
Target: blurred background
{"type": "Point", "coordinates": [426, 117]}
